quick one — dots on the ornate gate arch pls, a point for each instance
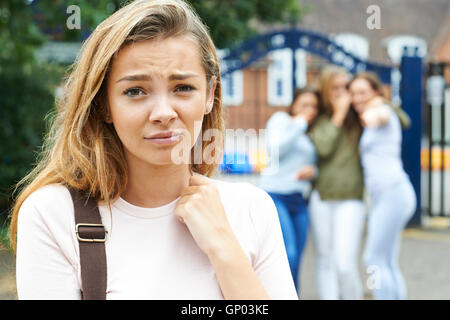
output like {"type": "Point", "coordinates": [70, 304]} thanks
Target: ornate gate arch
{"type": "Point", "coordinates": [410, 86]}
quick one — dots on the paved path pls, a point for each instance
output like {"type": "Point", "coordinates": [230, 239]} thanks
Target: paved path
{"type": "Point", "coordinates": [7, 275]}
{"type": "Point", "coordinates": [424, 261]}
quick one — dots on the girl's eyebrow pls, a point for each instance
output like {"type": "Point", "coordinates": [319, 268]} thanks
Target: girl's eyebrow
{"type": "Point", "coordinates": [147, 77]}
{"type": "Point", "coordinates": [136, 77]}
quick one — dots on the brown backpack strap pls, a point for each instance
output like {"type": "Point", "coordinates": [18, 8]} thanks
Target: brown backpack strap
{"type": "Point", "coordinates": [91, 235]}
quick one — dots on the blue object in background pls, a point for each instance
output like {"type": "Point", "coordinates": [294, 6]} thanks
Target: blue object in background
{"type": "Point", "coordinates": [411, 92]}
{"type": "Point", "coordinates": [235, 163]}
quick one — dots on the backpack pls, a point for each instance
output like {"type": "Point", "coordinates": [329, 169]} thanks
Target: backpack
{"type": "Point", "coordinates": [91, 235]}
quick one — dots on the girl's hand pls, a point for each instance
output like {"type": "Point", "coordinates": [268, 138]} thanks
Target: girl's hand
{"type": "Point", "coordinates": [374, 102]}
{"type": "Point", "coordinates": [342, 103]}
{"type": "Point", "coordinates": [305, 115]}
{"type": "Point", "coordinates": [340, 108]}
{"type": "Point", "coordinates": [375, 116]}
{"type": "Point", "coordinates": [306, 173]}
{"type": "Point", "coordinates": [201, 209]}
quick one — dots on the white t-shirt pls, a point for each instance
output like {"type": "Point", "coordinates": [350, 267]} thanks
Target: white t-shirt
{"type": "Point", "coordinates": [381, 153]}
{"type": "Point", "coordinates": [150, 254]}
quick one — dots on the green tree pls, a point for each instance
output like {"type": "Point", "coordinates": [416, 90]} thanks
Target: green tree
{"type": "Point", "coordinates": [229, 21]}
{"type": "Point", "coordinates": [19, 36]}
{"type": "Point", "coordinates": [25, 101]}
{"type": "Point", "coordinates": [232, 21]}
{"type": "Point", "coordinates": [26, 95]}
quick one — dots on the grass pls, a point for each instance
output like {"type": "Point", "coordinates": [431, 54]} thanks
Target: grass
{"type": "Point", "coordinates": [7, 269]}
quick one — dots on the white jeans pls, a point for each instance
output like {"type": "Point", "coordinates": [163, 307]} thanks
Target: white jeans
{"type": "Point", "coordinates": [337, 228]}
{"type": "Point", "coordinates": [391, 210]}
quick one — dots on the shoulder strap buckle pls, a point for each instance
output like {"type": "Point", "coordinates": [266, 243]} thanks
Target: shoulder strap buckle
{"type": "Point", "coordinates": [90, 232]}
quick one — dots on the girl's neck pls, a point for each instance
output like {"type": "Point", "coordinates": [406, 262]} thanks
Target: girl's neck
{"type": "Point", "coordinates": [152, 186]}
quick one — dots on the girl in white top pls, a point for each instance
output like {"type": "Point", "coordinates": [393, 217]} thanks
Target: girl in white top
{"type": "Point", "coordinates": [393, 200]}
{"type": "Point", "coordinates": [130, 129]}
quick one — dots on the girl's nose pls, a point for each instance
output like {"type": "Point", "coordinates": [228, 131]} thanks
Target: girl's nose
{"type": "Point", "coordinates": [162, 111]}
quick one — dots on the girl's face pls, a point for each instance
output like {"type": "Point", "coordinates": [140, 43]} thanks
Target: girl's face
{"type": "Point", "coordinates": [361, 93]}
{"type": "Point", "coordinates": [338, 86]}
{"type": "Point", "coordinates": [158, 87]}
{"type": "Point", "coordinates": [307, 104]}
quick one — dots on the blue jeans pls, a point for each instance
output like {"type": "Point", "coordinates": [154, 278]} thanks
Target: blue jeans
{"type": "Point", "coordinates": [293, 214]}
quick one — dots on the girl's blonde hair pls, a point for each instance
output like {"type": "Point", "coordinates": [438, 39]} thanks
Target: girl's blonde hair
{"type": "Point", "coordinates": [83, 151]}
{"type": "Point", "coordinates": [325, 82]}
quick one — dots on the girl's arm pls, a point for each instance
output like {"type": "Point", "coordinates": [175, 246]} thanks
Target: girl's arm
{"type": "Point", "coordinates": [282, 131]}
{"type": "Point", "coordinates": [376, 116]}
{"type": "Point", "coordinates": [45, 265]}
{"type": "Point", "coordinates": [237, 279]}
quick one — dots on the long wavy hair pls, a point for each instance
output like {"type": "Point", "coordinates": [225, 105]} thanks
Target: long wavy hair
{"type": "Point", "coordinates": [297, 93]}
{"type": "Point", "coordinates": [80, 149]}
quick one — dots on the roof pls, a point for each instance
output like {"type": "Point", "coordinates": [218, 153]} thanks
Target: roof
{"type": "Point", "coordinates": [426, 19]}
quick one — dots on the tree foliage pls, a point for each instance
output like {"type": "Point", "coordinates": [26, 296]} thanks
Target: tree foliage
{"type": "Point", "coordinates": [229, 21]}
{"type": "Point", "coordinates": [19, 35]}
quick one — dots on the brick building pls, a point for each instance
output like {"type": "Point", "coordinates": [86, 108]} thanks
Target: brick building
{"type": "Point", "coordinates": [428, 22]}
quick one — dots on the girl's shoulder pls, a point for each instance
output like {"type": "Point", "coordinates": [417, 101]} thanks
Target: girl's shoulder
{"type": "Point", "coordinates": [246, 197]}
{"type": "Point", "coordinates": [278, 116]}
{"type": "Point", "coordinates": [50, 204]}
{"type": "Point", "coordinates": [235, 189]}
{"type": "Point", "coordinates": [52, 194]}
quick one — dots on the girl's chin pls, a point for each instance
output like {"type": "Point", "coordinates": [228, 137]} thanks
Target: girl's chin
{"type": "Point", "coordinates": [167, 159]}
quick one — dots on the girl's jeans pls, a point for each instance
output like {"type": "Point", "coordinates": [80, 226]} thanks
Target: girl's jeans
{"type": "Point", "coordinates": [293, 214]}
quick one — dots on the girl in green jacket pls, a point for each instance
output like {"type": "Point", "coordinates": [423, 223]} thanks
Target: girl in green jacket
{"type": "Point", "coordinates": [336, 203]}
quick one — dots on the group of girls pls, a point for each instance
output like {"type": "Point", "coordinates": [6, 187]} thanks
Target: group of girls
{"type": "Point", "coordinates": [336, 152]}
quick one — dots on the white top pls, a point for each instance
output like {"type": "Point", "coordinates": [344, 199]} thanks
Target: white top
{"type": "Point", "coordinates": [150, 254]}
{"type": "Point", "coordinates": [290, 150]}
{"type": "Point", "coordinates": [381, 149]}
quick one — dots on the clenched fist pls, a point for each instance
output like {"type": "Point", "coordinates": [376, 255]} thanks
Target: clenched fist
{"type": "Point", "coordinates": [201, 209]}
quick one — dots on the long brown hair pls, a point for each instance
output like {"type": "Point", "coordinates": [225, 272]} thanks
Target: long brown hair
{"type": "Point", "coordinates": [81, 150]}
{"type": "Point", "coordinates": [299, 91]}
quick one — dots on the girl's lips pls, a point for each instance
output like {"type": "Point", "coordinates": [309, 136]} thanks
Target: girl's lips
{"type": "Point", "coordinates": [167, 140]}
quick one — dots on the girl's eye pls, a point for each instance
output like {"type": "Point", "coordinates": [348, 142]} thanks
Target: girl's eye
{"type": "Point", "coordinates": [133, 92]}
{"type": "Point", "coordinates": [184, 88]}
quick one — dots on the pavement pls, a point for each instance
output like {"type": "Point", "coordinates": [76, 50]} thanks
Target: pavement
{"type": "Point", "coordinates": [424, 261]}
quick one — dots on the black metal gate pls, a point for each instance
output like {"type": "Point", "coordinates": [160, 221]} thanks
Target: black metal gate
{"type": "Point", "coordinates": [436, 143]}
